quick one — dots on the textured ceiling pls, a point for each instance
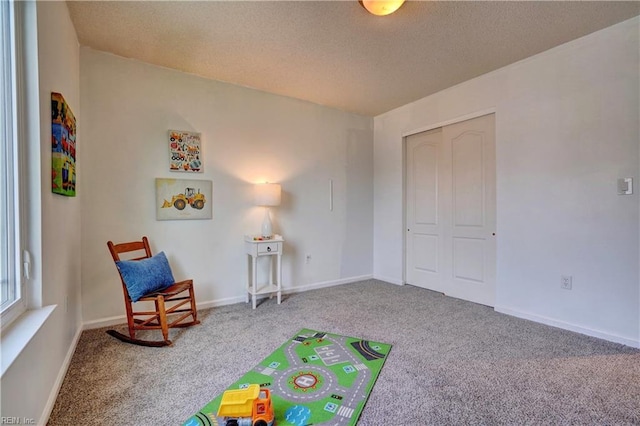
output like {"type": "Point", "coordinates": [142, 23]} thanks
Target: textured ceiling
{"type": "Point", "coordinates": [334, 53]}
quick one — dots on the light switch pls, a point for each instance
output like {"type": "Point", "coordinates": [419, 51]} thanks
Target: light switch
{"type": "Point", "coordinates": [625, 186]}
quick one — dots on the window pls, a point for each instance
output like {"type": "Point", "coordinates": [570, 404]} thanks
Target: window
{"type": "Point", "coordinates": [12, 302]}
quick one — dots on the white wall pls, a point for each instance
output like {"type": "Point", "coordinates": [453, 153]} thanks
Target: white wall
{"type": "Point", "coordinates": [248, 136]}
{"type": "Point", "coordinates": [30, 385]}
{"type": "Point", "coordinates": [566, 130]}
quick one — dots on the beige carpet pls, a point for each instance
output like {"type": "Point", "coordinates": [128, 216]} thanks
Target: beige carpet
{"type": "Point", "coordinates": [452, 363]}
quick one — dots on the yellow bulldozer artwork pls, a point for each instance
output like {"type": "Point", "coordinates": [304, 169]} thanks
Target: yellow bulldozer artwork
{"type": "Point", "coordinates": [190, 196]}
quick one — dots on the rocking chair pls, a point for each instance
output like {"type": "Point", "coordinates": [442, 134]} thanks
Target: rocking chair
{"type": "Point", "coordinates": [148, 278]}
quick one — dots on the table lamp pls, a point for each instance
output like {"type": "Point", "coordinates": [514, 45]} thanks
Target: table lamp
{"type": "Point", "coordinates": [267, 195]}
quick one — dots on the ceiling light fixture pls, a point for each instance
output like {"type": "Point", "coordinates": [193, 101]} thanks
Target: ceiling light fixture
{"type": "Point", "coordinates": [381, 7]}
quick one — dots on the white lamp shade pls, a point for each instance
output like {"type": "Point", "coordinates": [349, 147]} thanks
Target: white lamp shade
{"type": "Point", "coordinates": [267, 194]}
{"type": "Point", "coordinates": [382, 7]}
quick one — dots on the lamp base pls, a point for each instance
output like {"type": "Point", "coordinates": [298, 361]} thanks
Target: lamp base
{"type": "Point", "coordinates": [266, 224]}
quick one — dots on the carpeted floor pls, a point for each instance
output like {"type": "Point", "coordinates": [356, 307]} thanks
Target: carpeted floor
{"type": "Point", "coordinates": [452, 363]}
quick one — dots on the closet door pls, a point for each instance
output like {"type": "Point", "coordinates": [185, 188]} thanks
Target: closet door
{"type": "Point", "coordinates": [424, 239]}
{"type": "Point", "coordinates": [451, 210]}
{"type": "Point", "coordinates": [470, 244]}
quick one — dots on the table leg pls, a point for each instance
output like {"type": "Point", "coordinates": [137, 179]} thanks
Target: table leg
{"type": "Point", "coordinates": [254, 271]}
{"type": "Point", "coordinates": [270, 275]}
{"type": "Point", "coordinates": [279, 277]}
{"type": "Point", "coordinates": [248, 279]}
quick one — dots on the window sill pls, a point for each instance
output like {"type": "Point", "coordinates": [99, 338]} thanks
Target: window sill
{"type": "Point", "coordinates": [19, 334]}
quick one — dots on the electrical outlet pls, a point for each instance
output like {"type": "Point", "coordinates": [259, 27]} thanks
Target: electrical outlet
{"type": "Point", "coordinates": [308, 259]}
{"type": "Point", "coordinates": [566, 282]}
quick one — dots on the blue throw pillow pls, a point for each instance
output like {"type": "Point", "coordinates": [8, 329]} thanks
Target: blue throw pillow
{"type": "Point", "coordinates": [145, 276]}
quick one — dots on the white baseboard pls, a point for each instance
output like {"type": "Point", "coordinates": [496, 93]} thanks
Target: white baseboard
{"type": "Point", "coordinates": [325, 284]}
{"type": "Point", "coordinates": [568, 326]}
{"type": "Point", "coordinates": [104, 322]}
{"type": "Point", "coordinates": [53, 395]}
{"type": "Point", "coordinates": [122, 319]}
{"type": "Point", "coordinates": [221, 302]}
{"type": "Point", "coordinates": [388, 279]}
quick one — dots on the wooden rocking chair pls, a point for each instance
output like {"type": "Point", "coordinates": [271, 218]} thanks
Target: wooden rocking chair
{"type": "Point", "coordinates": [167, 301]}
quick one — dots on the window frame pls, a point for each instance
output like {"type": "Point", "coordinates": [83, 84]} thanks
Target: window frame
{"type": "Point", "coordinates": [13, 118]}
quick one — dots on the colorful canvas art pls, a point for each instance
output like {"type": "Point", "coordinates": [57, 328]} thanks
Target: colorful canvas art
{"type": "Point", "coordinates": [185, 151]}
{"type": "Point", "coordinates": [183, 199]}
{"type": "Point", "coordinates": [63, 147]}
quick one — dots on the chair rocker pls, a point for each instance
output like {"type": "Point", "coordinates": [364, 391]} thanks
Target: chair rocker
{"type": "Point", "coordinates": [175, 304]}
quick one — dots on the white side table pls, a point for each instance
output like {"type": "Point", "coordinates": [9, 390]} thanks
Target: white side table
{"type": "Point", "coordinates": [254, 250]}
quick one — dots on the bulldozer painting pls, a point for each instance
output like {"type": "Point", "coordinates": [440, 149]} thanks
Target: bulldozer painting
{"type": "Point", "coordinates": [180, 199]}
{"type": "Point", "coordinates": [189, 197]}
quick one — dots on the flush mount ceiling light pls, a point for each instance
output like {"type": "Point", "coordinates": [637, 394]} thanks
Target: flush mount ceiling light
{"type": "Point", "coordinates": [381, 7]}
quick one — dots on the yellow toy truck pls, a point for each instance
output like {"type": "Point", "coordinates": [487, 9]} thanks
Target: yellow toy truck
{"type": "Point", "coordinates": [246, 407]}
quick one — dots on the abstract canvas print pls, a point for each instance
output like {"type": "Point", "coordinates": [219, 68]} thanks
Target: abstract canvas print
{"type": "Point", "coordinates": [185, 151]}
{"type": "Point", "coordinates": [183, 199]}
{"type": "Point", "coordinates": [63, 147]}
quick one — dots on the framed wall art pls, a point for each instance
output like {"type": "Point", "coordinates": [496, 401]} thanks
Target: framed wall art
{"type": "Point", "coordinates": [183, 199]}
{"type": "Point", "coordinates": [185, 151]}
{"type": "Point", "coordinates": [63, 147]}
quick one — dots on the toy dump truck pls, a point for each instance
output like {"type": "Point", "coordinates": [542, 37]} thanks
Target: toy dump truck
{"type": "Point", "coordinates": [246, 407]}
